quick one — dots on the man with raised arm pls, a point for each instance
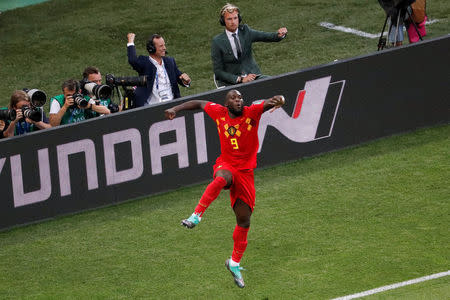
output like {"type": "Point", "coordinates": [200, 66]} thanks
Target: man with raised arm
{"type": "Point", "coordinates": [237, 126]}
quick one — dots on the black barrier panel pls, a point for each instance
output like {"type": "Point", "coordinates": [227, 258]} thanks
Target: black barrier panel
{"type": "Point", "coordinates": [137, 153]}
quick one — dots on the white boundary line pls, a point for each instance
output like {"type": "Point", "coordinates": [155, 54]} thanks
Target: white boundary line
{"type": "Point", "coordinates": [394, 286]}
{"type": "Point", "coordinates": [348, 30]}
{"type": "Point", "coordinates": [358, 32]}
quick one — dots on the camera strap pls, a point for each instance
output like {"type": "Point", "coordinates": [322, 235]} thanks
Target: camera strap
{"type": "Point", "coordinates": [72, 114]}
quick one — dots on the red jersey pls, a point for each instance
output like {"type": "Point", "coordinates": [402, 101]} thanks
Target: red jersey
{"type": "Point", "coordinates": [239, 136]}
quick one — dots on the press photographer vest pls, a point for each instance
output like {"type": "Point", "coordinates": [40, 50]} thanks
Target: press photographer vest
{"type": "Point", "coordinates": [73, 114]}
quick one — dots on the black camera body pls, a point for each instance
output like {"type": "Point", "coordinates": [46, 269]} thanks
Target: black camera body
{"type": "Point", "coordinates": [32, 113]}
{"type": "Point", "coordinates": [113, 108]}
{"type": "Point", "coordinates": [391, 7]}
{"type": "Point", "coordinates": [79, 100]}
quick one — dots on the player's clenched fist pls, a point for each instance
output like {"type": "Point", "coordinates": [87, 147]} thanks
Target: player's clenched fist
{"type": "Point", "coordinates": [170, 113]}
{"type": "Point", "coordinates": [276, 101]}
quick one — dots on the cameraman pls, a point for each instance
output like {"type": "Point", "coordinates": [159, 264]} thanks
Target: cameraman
{"type": "Point", "coordinates": [64, 110]}
{"type": "Point", "coordinates": [92, 74]}
{"type": "Point", "coordinates": [21, 125]}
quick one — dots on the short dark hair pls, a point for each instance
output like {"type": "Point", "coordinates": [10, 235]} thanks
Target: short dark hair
{"type": "Point", "coordinates": [150, 45]}
{"type": "Point", "coordinates": [71, 84]}
{"type": "Point", "coordinates": [90, 70]}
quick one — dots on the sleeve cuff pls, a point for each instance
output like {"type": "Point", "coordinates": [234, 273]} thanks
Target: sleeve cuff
{"type": "Point", "coordinates": [130, 44]}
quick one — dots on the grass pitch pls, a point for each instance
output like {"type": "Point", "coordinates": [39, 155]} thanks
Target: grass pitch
{"type": "Point", "coordinates": [323, 227]}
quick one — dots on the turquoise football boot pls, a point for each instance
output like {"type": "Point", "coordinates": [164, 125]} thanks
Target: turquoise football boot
{"type": "Point", "coordinates": [192, 221]}
{"type": "Point", "coordinates": [236, 272]}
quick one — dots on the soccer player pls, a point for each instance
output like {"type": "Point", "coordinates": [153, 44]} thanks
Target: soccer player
{"type": "Point", "coordinates": [237, 126]}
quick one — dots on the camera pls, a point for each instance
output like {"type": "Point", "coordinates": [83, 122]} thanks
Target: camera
{"type": "Point", "coordinates": [32, 113]}
{"type": "Point", "coordinates": [128, 85]}
{"type": "Point", "coordinates": [7, 114]}
{"type": "Point", "coordinates": [100, 91]}
{"type": "Point", "coordinates": [113, 108]}
{"type": "Point", "coordinates": [79, 100]}
{"type": "Point", "coordinates": [111, 80]}
{"type": "Point", "coordinates": [392, 6]}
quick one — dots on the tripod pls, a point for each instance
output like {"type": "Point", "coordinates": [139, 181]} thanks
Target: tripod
{"type": "Point", "coordinates": [401, 12]}
{"type": "Point", "coordinates": [126, 101]}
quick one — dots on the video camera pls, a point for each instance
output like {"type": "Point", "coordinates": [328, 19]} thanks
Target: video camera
{"type": "Point", "coordinates": [392, 6]}
{"type": "Point", "coordinates": [34, 112]}
{"type": "Point", "coordinates": [395, 10]}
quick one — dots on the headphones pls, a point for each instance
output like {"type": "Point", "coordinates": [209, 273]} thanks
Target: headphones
{"type": "Point", "coordinates": [150, 46]}
{"type": "Point", "coordinates": [225, 9]}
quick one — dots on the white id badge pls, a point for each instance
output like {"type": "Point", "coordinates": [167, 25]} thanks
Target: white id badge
{"type": "Point", "coordinates": [164, 95]}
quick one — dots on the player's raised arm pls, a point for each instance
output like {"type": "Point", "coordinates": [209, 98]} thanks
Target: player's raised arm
{"type": "Point", "coordinates": [190, 105]}
{"type": "Point", "coordinates": [274, 103]}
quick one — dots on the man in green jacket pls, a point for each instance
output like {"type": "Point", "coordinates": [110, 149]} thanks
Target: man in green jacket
{"type": "Point", "coordinates": [231, 51]}
{"type": "Point", "coordinates": [65, 110]}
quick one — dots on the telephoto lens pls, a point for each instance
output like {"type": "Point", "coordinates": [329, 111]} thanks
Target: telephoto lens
{"type": "Point", "coordinates": [32, 113]}
{"type": "Point", "coordinates": [126, 81]}
{"type": "Point", "coordinates": [7, 114]}
{"type": "Point", "coordinates": [37, 97]}
{"type": "Point", "coordinates": [100, 91]}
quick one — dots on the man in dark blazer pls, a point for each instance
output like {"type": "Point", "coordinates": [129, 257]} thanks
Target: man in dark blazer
{"type": "Point", "coordinates": [231, 51]}
{"type": "Point", "coordinates": [162, 72]}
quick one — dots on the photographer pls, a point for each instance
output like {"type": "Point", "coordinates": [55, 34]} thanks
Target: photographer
{"type": "Point", "coordinates": [20, 102]}
{"type": "Point", "coordinates": [162, 72]}
{"type": "Point", "coordinates": [92, 74]}
{"type": "Point", "coordinates": [72, 106]}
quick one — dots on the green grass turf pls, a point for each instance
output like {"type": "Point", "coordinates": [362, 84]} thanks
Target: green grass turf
{"type": "Point", "coordinates": [323, 227]}
{"type": "Point", "coordinates": [42, 45]}
{"type": "Point", "coordinates": [435, 289]}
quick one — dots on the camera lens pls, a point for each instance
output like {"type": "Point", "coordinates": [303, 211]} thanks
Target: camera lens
{"type": "Point", "coordinates": [37, 97]}
{"type": "Point", "coordinates": [7, 114]}
{"type": "Point", "coordinates": [31, 113]}
{"type": "Point", "coordinates": [126, 81]}
{"type": "Point", "coordinates": [100, 91]}
{"type": "Point", "coordinates": [79, 100]}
